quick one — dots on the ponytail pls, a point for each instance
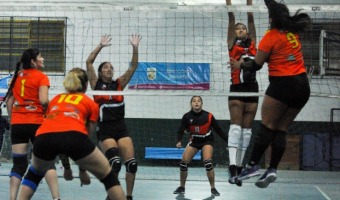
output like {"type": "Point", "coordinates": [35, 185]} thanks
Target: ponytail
{"type": "Point", "coordinates": [15, 76]}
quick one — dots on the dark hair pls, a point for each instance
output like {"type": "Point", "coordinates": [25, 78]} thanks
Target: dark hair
{"type": "Point", "coordinates": [100, 69]}
{"type": "Point", "coordinates": [76, 80]}
{"type": "Point", "coordinates": [281, 19]}
{"type": "Point", "coordinates": [242, 25]}
{"type": "Point", "coordinates": [25, 62]}
{"type": "Point", "coordinates": [192, 98]}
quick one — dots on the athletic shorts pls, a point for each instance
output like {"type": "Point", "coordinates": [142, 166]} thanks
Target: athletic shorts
{"type": "Point", "coordinates": [198, 143]}
{"type": "Point", "coordinates": [244, 87]}
{"type": "Point", "coordinates": [73, 144]}
{"type": "Point", "coordinates": [23, 133]}
{"type": "Point", "coordinates": [113, 129]}
{"type": "Point", "coordinates": [294, 91]}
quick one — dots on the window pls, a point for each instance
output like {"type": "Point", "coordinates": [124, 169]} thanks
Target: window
{"type": "Point", "coordinates": [19, 33]}
{"type": "Point", "coordinates": [331, 45]}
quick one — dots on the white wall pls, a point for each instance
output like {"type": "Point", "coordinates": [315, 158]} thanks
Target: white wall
{"type": "Point", "coordinates": [170, 34]}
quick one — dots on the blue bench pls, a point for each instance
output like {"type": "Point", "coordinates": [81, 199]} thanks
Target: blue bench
{"type": "Point", "coordinates": [167, 153]}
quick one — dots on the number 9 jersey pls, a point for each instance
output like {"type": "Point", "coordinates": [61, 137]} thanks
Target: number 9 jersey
{"type": "Point", "coordinates": [286, 58]}
{"type": "Point", "coordinates": [69, 112]}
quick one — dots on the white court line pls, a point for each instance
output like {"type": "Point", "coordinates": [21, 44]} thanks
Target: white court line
{"type": "Point", "coordinates": [323, 194]}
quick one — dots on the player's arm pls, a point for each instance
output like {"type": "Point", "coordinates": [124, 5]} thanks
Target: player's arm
{"type": "Point", "coordinates": [217, 128]}
{"type": "Point", "coordinates": [231, 27]}
{"type": "Point", "coordinates": [104, 42]}
{"type": "Point", "coordinates": [251, 23]}
{"type": "Point", "coordinates": [126, 77]}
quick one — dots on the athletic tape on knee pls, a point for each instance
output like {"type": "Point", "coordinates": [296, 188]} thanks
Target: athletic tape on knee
{"type": "Point", "coordinates": [110, 180]}
{"type": "Point", "coordinates": [246, 136]}
{"type": "Point", "coordinates": [131, 166]}
{"type": "Point", "coordinates": [20, 164]}
{"type": "Point", "coordinates": [32, 178]}
{"type": "Point", "coordinates": [183, 166]}
{"type": "Point", "coordinates": [208, 165]}
{"type": "Point", "coordinates": [234, 135]}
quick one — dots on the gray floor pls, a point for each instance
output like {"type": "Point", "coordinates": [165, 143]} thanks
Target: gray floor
{"type": "Point", "coordinates": [159, 183]}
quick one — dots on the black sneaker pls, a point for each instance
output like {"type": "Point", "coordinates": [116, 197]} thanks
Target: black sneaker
{"type": "Point", "coordinates": [237, 181]}
{"type": "Point", "coordinates": [129, 198]}
{"type": "Point", "coordinates": [107, 197]}
{"type": "Point", "coordinates": [179, 190]}
{"type": "Point", "coordinates": [214, 192]}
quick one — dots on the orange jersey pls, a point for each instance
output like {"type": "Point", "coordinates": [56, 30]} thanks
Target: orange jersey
{"type": "Point", "coordinates": [69, 112]}
{"type": "Point", "coordinates": [285, 58]}
{"type": "Point", "coordinates": [26, 107]}
{"type": "Point", "coordinates": [241, 49]}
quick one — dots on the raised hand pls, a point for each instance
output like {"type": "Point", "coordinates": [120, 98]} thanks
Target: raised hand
{"type": "Point", "coordinates": [135, 39]}
{"type": "Point", "coordinates": [105, 40]}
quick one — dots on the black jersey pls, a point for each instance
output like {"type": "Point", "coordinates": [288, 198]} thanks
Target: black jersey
{"type": "Point", "coordinates": [111, 107]}
{"type": "Point", "coordinates": [199, 125]}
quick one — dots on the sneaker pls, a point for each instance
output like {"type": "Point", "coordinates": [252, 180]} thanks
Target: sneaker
{"type": "Point", "coordinates": [268, 177]}
{"type": "Point", "coordinates": [179, 190]}
{"type": "Point", "coordinates": [214, 192]}
{"type": "Point", "coordinates": [107, 197]}
{"type": "Point", "coordinates": [129, 198]}
{"type": "Point", "coordinates": [248, 172]}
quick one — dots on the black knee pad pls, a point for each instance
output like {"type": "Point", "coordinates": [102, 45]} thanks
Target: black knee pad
{"type": "Point", "coordinates": [32, 178]}
{"type": "Point", "coordinates": [110, 180]}
{"type": "Point", "coordinates": [114, 160]}
{"type": "Point", "coordinates": [208, 165]}
{"type": "Point", "coordinates": [131, 166]}
{"type": "Point", "coordinates": [183, 166]}
{"type": "Point", "coordinates": [20, 164]}
{"type": "Point", "coordinates": [265, 136]}
{"type": "Point", "coordinates": [279, 140]}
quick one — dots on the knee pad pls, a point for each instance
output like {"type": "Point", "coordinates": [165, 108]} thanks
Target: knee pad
{"type": "Point", "coordinates": [20, 164]}
{"type": "Point", "coordinates": [234, 135]}
{"type": "Point", "coordinates": [114, 160]}
{"type": "Point", "coordinates": [131, 166]}
{"type": "Point", "coordinates": [265, 136]}
{"type": "Point", "coordinates": [208, 165]}
{"type": "Point", "coordinates": [246, 136]}
{"type": "Point", "coordinates": [110, 180]}
{"type": "Point", "coordinates": [32, 178]}
{"type": "Point", "coordinates": [183, 166]}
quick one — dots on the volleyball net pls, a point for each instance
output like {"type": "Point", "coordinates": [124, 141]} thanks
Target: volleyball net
{"type": "Point", "coordinates": [183, 52]}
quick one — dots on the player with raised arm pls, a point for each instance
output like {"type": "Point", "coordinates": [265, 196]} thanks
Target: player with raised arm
{"type": "Point", "coordinates": [242, 46]}
{"type": "Point", "coordinates": [113, 134]}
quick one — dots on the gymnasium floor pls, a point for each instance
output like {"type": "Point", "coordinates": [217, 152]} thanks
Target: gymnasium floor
{"type": "Point", "coordinates": [159, 182]}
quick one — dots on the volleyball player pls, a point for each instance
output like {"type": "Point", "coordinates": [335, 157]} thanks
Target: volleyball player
{"type": "Point", "coordinates": [241, 45]}
{"type": "Point", "coordinates": [70, 117]}
{"type": "Point", "coordinates": [199, 123]}
{"type": "Point", "coordinates": [113, 134]}
{"type": "Point", "coordinates": [27, 99]}
{"type": "Point", "coordinates": [288, 89]}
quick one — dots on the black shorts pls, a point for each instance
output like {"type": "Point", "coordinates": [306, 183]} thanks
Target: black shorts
{"type": "Point", "coordinates": [245, 87]}
{"type": "Point", "coordinates": [114, 129]}
{"type": "Point", "coordinates": [23, 133]}
{"type": "Point", "coordinates": [73, 144]}
{"type": "Point", "coordinates": [198, 143]}
{"type": "Point", "coordinates": [294, 91]}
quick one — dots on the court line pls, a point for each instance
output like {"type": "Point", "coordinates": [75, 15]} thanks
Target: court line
{"type": "Point", "coordinates": [323, 194]}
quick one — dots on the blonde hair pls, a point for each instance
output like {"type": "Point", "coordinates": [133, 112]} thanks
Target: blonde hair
{"type": "Point", "coordinates": [76, 80]}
